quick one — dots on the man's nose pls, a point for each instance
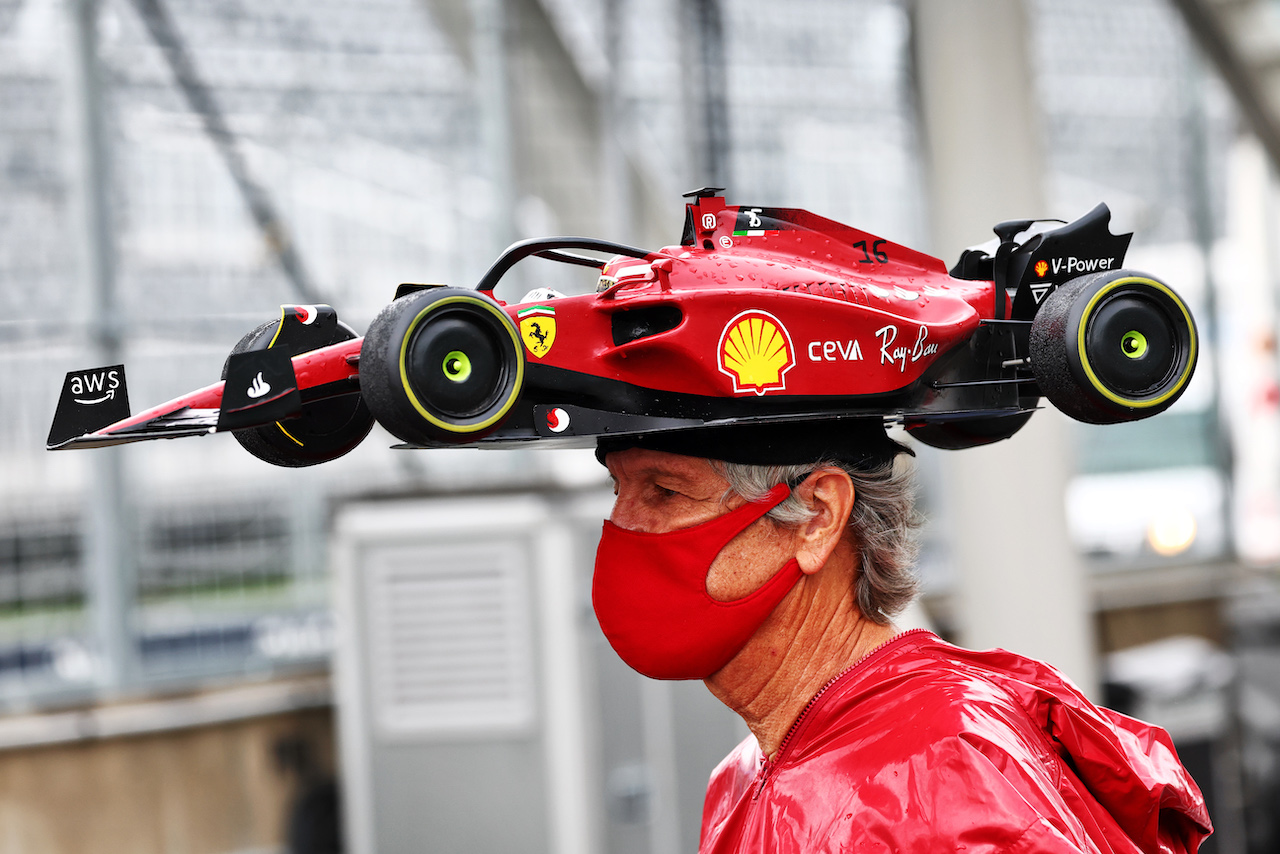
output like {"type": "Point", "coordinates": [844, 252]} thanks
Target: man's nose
{"type": "Point", "coordinates": [629, 513]}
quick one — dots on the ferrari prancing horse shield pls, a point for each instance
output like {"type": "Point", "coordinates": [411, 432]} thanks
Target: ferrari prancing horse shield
{"type": "Point", "coordinates": [538, 328]}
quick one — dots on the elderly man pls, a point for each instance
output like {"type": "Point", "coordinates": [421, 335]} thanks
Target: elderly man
{"type": "Point", "coordinates": [769, 562]}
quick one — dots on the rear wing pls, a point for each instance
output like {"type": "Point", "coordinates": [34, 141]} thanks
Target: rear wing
{"type": "Point", "coordinates": [1029, 271]}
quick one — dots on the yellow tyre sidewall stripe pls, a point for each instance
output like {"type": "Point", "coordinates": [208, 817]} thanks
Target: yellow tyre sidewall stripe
{"type": "Point", "coordinates": [290, 435]}
{"type": "Point", "coordinates": [1088, 368]}
{"type": "Point", "coordinates": [280, 326]}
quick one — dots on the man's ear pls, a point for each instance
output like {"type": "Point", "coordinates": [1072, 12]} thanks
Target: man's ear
{"type": "Point", "coordinates": [829, 491]}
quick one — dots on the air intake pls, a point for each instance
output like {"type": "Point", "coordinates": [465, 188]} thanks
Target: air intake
{"type": "Point", "coordinates": [643, 322]}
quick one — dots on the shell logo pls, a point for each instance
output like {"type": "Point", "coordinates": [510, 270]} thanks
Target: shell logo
{"type": "Point", "coordinates": [756, 351]}
{"type": "Point", "coordinates": [1042, 267]}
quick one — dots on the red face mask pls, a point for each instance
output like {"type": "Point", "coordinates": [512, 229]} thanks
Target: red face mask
{"type": "Point", "coordinates": [650, 595]}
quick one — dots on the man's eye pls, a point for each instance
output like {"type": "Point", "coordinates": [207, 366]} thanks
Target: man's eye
{"type": "Point", "coordinates": [664, 492]}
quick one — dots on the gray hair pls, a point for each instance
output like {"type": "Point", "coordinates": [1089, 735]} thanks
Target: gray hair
{"type": "Point", "coordinates": [883, 524]}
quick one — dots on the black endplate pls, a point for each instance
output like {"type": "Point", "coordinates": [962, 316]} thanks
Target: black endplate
{"type": "Point", "coordinates": [568, 421]}
{"type": "Point", "coordinates": [304, 328]}
{"type": "Point", "coordinates": [1076, 249]}
{"type": "Point", "coordinates": [260, 388]}
{"type": "Point", "coordinates": [90, 400]}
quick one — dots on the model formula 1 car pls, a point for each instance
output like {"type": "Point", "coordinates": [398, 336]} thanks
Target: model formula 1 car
{"type": "Point", "coordinates": [759, 314]}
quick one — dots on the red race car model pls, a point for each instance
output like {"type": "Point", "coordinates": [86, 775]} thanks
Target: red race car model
{"type": "Point", "coordinates": [759, 314]}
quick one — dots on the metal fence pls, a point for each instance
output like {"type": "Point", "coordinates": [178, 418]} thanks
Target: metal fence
{"type": "Point", "coordinates": [230, 587]}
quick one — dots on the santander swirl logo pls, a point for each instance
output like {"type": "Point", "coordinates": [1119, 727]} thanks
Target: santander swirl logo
{"type": "Point", "coordinates": [557, 420]}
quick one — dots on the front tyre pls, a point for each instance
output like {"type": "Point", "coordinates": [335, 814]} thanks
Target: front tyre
{"type": "Point", "coordinates": [441, 365]}
{"type": "Point", "coordinates": [326, 429]}
{"type": "Point", "coordinates": [1114, 346]}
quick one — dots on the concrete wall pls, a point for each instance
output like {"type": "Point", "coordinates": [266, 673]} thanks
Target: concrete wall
{"type": "Point", "coordinates": [214, 788]}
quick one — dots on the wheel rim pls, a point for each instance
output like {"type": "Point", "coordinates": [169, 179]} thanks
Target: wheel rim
{"type": "Point", "coordinates": [453, 364]}
{"type": "Point", "coordinates": [1132, 345]}
{"type": "Point", "coordinates": [1137, 343]}
{"type": "Point", "coordinates": [456, 365]}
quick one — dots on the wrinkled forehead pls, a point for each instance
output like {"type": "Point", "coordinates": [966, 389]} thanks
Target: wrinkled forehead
{"type": "Point", "coordinates": [646, 462]}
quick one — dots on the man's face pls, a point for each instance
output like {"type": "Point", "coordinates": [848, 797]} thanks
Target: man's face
{"type": "Point", "coordinates": [659, 492]}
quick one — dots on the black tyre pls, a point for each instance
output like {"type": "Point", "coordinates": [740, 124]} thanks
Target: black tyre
{"type": "Point", "coordinates": [969, 432]}
{"type": "Point", "coordinates": [441, 365]}
{"type": "Point", "coordinates": [1114, 346]}
{"type": "Point", "coordinates": [326, 430]}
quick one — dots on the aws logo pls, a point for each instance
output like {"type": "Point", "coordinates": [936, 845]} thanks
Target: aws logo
{"type": "Point", "coordinates": [756, 351]}
{"type": "Point", "coordinates": [94, 387]}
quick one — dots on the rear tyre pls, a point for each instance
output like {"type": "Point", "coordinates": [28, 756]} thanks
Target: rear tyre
{"type": "Point", "coordinates": [1114, 346]}
{"type": "Point", "coordinates": [443, 365]}
{"type": "Point", "coordinates": [326, 430]}
{"type": "Point", "coordinates": [970, 432]}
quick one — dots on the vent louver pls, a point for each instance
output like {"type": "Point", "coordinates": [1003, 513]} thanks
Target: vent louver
{"type": "Point", "coordinates": [450, 639]}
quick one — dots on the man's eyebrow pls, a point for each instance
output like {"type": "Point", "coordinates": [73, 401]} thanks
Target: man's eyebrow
{"type": "Point", "coordinates": [658, 470]}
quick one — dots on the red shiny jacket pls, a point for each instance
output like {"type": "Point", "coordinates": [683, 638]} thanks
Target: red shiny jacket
{"type": "Point", "coordinates": [926, 747]}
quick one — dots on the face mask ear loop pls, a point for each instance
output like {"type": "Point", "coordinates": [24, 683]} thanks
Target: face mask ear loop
{"type": "Point", "coordinates": [791, 489]}
{"type": "Point", "coordinates": [799, 479]}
